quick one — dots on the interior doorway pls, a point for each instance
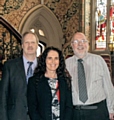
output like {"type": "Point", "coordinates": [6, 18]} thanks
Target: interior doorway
{"type": "Point", "coordinates": [45, 24]}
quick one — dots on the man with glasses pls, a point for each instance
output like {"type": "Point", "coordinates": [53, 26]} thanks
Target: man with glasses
{"type": "Point", "coordinates": [92, 90]}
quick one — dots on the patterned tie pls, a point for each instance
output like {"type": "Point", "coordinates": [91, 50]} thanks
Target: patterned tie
{"type": "Point", "coordinates": [82, 82]}
{"type": "Point", "coordinates": [29, 70]}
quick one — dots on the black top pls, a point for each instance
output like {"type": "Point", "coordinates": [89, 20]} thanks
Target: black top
{"type": "Point", "coordinates": [39, 97]}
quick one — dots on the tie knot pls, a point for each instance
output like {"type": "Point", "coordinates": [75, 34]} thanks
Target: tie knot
{"type": "Point", "coordinates": [80, 60]}
{"type": "Point", "coordinates": [30, 63]}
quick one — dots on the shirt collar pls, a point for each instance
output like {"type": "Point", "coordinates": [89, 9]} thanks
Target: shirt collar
{"type": "Point", "coordinates": [85, 57]}
{"type": "Point", "coordinates": [34, 61]}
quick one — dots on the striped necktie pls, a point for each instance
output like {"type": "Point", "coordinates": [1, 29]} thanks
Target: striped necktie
{"type": "Point", "coordinates": [29, 70]}
{"type": "Point", "coordinates": [82, 82]}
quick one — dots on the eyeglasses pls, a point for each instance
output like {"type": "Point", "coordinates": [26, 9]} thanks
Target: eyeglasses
{"type": "Point", "coordinates": [79, 41]}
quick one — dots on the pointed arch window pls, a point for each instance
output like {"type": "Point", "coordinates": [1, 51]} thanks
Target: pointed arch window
{"type": "Point", "coordinates": [41, 45]}
{"type": "Point", "coordinates": [103, 24]}
{"type": "Point", "coordinates": [101, 19]}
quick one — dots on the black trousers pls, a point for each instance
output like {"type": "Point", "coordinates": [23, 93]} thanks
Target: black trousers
{"type": "Point", "coordinates": [96, 111]}
{"type": "Point", "coordinates": [28, 118]}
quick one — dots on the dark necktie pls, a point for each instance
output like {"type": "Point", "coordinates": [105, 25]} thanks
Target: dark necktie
{"type": "Point", "coordinates": [29, 70]}
{"type": "Point", "coordinates": [82, 82]}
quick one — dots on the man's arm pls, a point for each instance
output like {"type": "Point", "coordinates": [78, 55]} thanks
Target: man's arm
{"type": "Point", "coordinates": [4, 93]}
{"type": "Point", "coordinates": [109, 90]}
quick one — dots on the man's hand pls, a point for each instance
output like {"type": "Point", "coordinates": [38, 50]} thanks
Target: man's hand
{"type": "Point", "coordinates": [111, 115]}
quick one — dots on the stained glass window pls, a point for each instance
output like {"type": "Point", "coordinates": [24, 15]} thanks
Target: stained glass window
{"type": "Point", "coordinates": [104, 24]}
{"type": "Point", "coordinates": [101, 24]}
{"type": "Point", "coordinates": [112, 25]}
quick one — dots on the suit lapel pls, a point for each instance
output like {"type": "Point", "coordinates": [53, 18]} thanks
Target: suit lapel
{"type": "Point", "coordinates": [20, 67]}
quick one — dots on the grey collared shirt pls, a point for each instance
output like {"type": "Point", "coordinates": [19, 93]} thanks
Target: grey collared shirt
{"type": "Point", "coordinates": [99, 86]}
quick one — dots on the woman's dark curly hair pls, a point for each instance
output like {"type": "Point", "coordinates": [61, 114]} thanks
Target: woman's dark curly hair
{"type": "Point", "coordinates": [61, 70]}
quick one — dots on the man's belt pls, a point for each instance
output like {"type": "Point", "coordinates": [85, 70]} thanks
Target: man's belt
{"type": "Point", "coordinates": [79, 107]}
{"type": "Point", "coordinates": [92, 106]}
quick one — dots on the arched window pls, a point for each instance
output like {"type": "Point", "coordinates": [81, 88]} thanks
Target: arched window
{"type": "Point", "coordinates": [41, 48]}
{"type": "Point", "coordinates": [103, 25]}
{"type": "Point", "coordinates": [41, 45]}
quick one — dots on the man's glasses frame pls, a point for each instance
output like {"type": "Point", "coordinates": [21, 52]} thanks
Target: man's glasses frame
{"type": "Point", "coordinates": [80, 41]}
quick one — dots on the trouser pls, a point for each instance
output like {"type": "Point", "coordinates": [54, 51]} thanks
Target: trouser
{"type": "Point", "coordinates": [96, 111]}
{"type": "Point", "coordinates": [28, 118]}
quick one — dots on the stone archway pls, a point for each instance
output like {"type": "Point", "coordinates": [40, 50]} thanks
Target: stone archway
{"type": "Point", "coordinates": [41, 17]}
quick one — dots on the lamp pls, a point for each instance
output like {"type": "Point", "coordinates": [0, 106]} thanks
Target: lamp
{"type": "Point", "coordinates": [111, 47]}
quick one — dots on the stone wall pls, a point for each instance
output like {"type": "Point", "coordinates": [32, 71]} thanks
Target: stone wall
{"type": "Point", "coordinates": [70, 14]}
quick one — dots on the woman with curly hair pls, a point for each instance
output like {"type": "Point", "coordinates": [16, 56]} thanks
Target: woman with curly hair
{"type": "Point", "coordinates": [49, 90]}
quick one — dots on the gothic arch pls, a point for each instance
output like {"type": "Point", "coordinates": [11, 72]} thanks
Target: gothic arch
{"type": "Point", "coordinates": [41, 17]}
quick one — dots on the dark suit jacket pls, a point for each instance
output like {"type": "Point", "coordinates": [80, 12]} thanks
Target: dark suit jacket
{"type": "Point", "coordinates": [13, 91]}
{"type": "Point", "coordinates": [39, 98]}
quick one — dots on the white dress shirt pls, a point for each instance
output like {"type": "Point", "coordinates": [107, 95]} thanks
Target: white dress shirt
{"type": "Point", "coordinates": [99, 85]}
